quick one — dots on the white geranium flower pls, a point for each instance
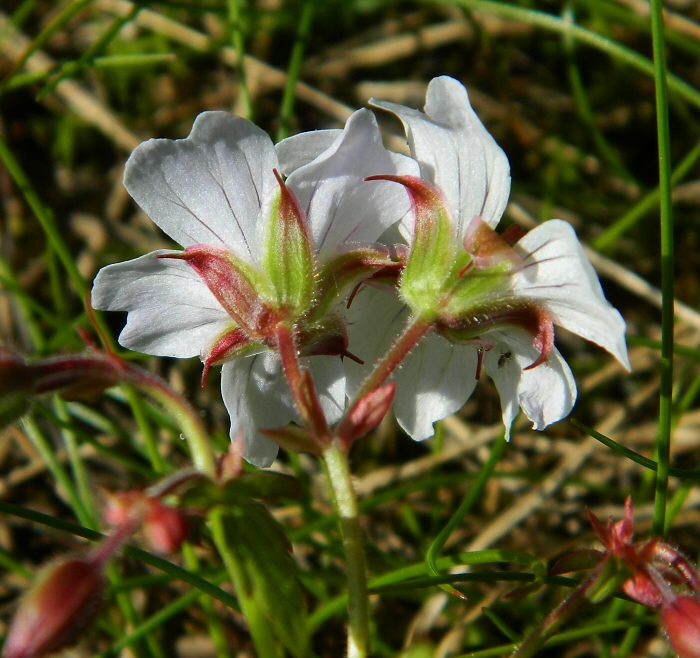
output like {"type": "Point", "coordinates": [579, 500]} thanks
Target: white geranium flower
{"type": "Point", "coordinates": [491, 300]}
{"type": "Point", "coordinates": [257, 251]}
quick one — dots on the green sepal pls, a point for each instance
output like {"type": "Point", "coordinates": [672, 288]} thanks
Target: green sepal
{"type": "Point", "coordinates": [436, 255]}
{"type": "Point", "coordinates": [288, 255]}
{"type": "Point", "coordinates": [345, 270]}
{"type": "Point", "coordinates": [262, 554]}
{"type": "Point", "coordinates": [476, 288]}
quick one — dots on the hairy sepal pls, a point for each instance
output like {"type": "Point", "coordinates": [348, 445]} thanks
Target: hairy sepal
{"type": "Point", "coordinates": [434, 255]}
{"type": "Point", "coordinates": [236, 285]}
{"type": "Point", "coordinates": [288, 256]}
{"type": "Point", "coordinates": [346, 270]}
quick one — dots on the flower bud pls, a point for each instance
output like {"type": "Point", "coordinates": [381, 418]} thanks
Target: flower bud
{"type": "Point", "coordinates": [165, 528]}
{"type": "Point", "coordinates": [64, 598]}
{"type": "Point", "coordinates": [366, 414]}
{"type": "Point", "coordinates": [681, 619]}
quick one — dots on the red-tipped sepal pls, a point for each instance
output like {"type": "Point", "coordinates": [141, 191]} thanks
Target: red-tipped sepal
{"type": "Point", "coordinates": [435, 255]}
{"type": "Point", "coordinates": [465, 327]}
{"type": "Point", "coordinates": [489, 249]}
{"type": "Point", "coordinates": [288, 257]}
{"type": "Point", "coordinates": [232, 344]}
{"type": "Point", "coordinates": [236, 286]}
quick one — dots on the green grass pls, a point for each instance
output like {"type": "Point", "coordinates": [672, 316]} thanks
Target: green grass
{"type": "Point", "coordinates": [570, 91]}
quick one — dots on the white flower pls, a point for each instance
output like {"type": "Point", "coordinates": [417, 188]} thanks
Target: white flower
{"type": "Point", "coordinates": [492, 303]}
{"type": "Point", "coordinates": [215, 193]}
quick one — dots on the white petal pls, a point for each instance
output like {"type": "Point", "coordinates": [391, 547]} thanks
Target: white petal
{"type": "Point", "coordinates": [298, 150]}
{"type": "Point", "coordinates": [256, 396]}
{"type": "Point", "coordinates": [456, 152]}
{"type": "Point", "coordinates": [559, 275]}
{"type": "Point", "coordinates": [434, 382]}
{"type": "Point", "coordinates": [339, 204]}
{"type": "Point", "coordinates": [171, 310]}
{"type": "Point", "coordinates": [374, 321]}
{"type": "Point", "coordinates": [329, 378]}
{"type": "Point", "coordinates": [210, 188]}
{"type": "Point", "coordinates": [546, 393]}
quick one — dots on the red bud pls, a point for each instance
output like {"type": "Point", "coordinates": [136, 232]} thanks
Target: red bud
{"type": "Point", "coordinates": [681, 619]}
{"type": "Point", "coordinates": [366, 413]}
{"type": "Point", "coordinates": [165, 528]}
{"type": "Point", "coordinates": [65, 597]}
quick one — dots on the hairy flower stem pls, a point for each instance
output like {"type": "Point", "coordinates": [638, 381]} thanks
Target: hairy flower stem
{"type": "Point", "coordinates": [340, 482]}
{"type": "Point", "coordinates": [302, 386]}
{"type": "Point", "coordinates": [416, 327]}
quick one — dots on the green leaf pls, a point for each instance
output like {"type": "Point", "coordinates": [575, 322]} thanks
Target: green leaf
{"type": "Point", "coordinates": [262, 553]}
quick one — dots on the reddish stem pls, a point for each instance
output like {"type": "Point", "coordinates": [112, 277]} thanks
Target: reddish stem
{"type": "Point", "coordinates": [302, 386]}
{"type": "Point", "coordinates": [415, 329]}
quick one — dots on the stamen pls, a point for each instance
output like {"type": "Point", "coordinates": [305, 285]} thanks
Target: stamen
{"type": "Point", "coordinates": [479, 362]}
{"type": "Point", "coordinates": [352, 357]}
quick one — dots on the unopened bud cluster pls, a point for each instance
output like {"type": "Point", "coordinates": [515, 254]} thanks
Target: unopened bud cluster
{"type": "Point", "coordinates": [650, 572]}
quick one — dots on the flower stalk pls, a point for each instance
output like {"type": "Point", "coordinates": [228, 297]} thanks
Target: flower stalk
{"type": "Point", "coordinates": [415, 329]}
{"type": "Point", "coordinates": [340, 483]}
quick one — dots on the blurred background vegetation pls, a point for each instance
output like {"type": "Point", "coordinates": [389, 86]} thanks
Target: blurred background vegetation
{"type": "Point", "coordinates": [566, 88]}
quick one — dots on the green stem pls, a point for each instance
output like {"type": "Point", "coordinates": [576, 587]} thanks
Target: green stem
{"type": "Point", "coordinates": [295, 63]}
{"type": "Point", "coordinates": [340, 482]}
{"type": "Point", "coordinates": [180, 409]}
{"type": "Point", "coordinates": [234, 15]}
{"type": "Point", "coordinates": [667, 276]}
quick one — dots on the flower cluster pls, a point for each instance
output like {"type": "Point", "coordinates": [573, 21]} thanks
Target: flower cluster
{"type": "Point", "coordinates": [654, 571]}
{"type": "Point", "coordinates": [279, 237]}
